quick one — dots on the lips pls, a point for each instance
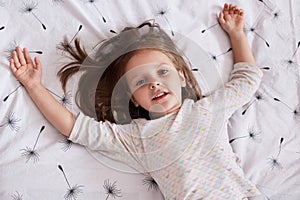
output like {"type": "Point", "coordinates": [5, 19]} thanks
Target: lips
{"type": "Point", "coordinates": [159, 95]}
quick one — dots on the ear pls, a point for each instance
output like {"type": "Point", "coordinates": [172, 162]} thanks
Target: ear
{"type": "Point", "coordinates": [133, 100]}
{"type": "Point", "coordinates": [182, 78]}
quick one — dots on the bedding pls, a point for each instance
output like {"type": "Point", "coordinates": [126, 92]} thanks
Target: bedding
{"type": "Point", "coordinates": [36, 162]}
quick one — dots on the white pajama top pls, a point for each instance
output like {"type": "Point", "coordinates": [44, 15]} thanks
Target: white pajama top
{"type": "Point", "coordinates": [186, 152]}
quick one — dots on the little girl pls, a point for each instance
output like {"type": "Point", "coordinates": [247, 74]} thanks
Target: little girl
{"type": "Point", "coordinates": [150, 111]}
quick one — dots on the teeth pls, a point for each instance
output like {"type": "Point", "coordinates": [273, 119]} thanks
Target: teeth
{"type": "Point", "coordinates": [159, 95]}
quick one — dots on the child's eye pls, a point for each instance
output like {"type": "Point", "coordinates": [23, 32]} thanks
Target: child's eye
{"type": "Point", "coordinates": [140, 82]}
{"type": "Point", "coordinates": [163, 71]}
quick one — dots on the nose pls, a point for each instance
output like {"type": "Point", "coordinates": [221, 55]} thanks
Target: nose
{"type": "Point", "coordinates": [153, 85]}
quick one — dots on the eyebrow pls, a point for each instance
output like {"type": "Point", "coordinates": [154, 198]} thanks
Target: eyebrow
{"type": "Point", "coordinates": [158, 65]}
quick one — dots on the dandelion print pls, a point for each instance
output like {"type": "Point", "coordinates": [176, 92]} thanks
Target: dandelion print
{"type": "Point", "coordinates": [12, 47]}
{"type": "Point", "coordinates": [65, 100]}
{"type": "Point", "coordinates": [295, 111]}
{"type": "Point", "coordinates": [67, 144]}
{"type": "Point", "coordinates": [28, 7]}
{"type": "Point", "coordinates": [72, 192]}
{"type": "Point", "coordinates": [65, 45]}
{"type": "Point", "coordinates": [258, 97]}
{"type": "Point", "coordinates": [111, 189]}
{"type": "Point", "coordinates": [93, 2]}
{"type": "Point", "coordinates": [215, 57]}
{"type": "Point", "coordinates": [291, 62]}
{"type": "Point", "coordinates": [253, 135]}
{"type": "Point", "coordinates": [210, 27]}
{"type": "Point", "coordinates": [6, 97]}
{"type": "Point", "coordinates": [162, 13]}
{"type": "Point", "coordinates": [150, 183]}
{"type": "Point", "coordinates": [31, 153]}
{"type": "Point", "coordinates": [273, 161]}
{"type": "Point", "coordinates": [265, 4]}
{"type": "Point", "coordinates": [2, 28]}
{"type": "Point", "coordinates": [11, 121]}
{"type": "Point", "coordinates": [265, 68]}
{"type": "Point", "coordinates": [252, 30]}
{"type": "Point", "coordinates": [17, 196]}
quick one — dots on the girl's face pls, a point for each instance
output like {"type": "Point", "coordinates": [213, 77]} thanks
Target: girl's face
{"type": "Point", "coordinates": [154, 82]}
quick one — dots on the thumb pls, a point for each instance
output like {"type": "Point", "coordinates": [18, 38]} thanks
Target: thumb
{"type": "Point", "coordinates": [38, 64]}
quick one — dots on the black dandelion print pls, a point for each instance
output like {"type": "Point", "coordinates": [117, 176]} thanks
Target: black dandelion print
{"type": "Point", "coordinates": [65, 45]}
{"type": "Point", "coordinates": [28, 7]}
{"type": "Point", "coordinates": [111, 189]}
{"type": "Point", "coordinates": [291, 62]}
{"type": "Point", "coordinates": [12, 92]}
{"type": "Point", "coordinates": [11, 48]}
{"type": "Point", "coordinates": [215, 57]}
{"type": "Point", "coordinates": [66, 144]}
{"type": "Point", "coordinates": [65, 100]}
{"type": "Point", "coordinates": [265, 4]}
{"type": "Point", "coordinates": [210, 27]}
{"type": "Point", "coordinates": [253, 135]}
{"type": "Point", "coordinates": [295, 111]}
{"type": "Point", "coordinates": [258, 96]}
{"type": "Point", "coordinates": [72, 192]}
{"type": "Point", "coordinates": [11, 121]}
{"type": "Point", "coordinates": [150, 183]}
{"type": "Point", "coordinates": [2, 28]}
{"type": "Point", "coordinates": [17, 196]}
{"type": "Point", "coordinates": [31, 153]}
{"type": "Point", "coordinates": [162, 13]}
{"type": "Point", "coordinates": [252, 30]}
{"type": "Point", "coordinates": [93, 2]}
{"type": "Point", "coordinates": [274, 161]}
{"type": "Point", "coordinates": [265, 68]}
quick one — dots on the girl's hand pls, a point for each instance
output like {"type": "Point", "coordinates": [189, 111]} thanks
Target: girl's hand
{"type": "Point", "coordinates": [232, 19]}
{"type": "Point", "coordinates": [27, 72]}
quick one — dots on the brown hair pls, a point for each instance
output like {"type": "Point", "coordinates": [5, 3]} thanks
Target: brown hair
{"type": "Point", "coordinates": [94, 96]}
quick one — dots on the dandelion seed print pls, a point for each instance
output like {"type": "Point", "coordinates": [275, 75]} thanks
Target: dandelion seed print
{"type": "Point", "coordinates": [265, 68]}
{"type": "Point", "coordinates": [111, 189]}
{"type": "Point", "coordinates": [65, 44]}
{"type": "Point", "coordinates": [253, 30]}
{"type": "Point", "coordinates": [31, 153]}
{"type": "Point", "coordinates": [2, 28]}
{"type": "Point", "coordinates": [17, 196]}
{"type": "Point", "coordinates": [65, 100]}
{"type": "Point", "coordinates": [72, 192]}
{"type": "Point", "coordinates": [295, 111]}
{"type": "Point", "coordinates": [28, 7]}
{"type": "Point", "coordinates": [253, 135]}
{"type": "Point", "coordinates": [11, 121]}
{"type": "Point", "coordinates": [210, 27]}
{"type": "Point", "coordinates": [67, 144]}
{"type": "Point", "coordinates": [258, 96]}
{"type": "Point", "coordinates": [273, 161]}
{"type": "Point", "coordinates": [215, 57]}
{"type": "Point", "coordinates": [266, 4]}
{"type": "Point", "coordinates": [15, 90]}
{"type": "Point", "coordinates": [150, 183]}
{"type": "Point", "coordinates": [93, 3]}
{"type": "Point", "coordinates": [10, 49]}
{"type": "Point", "coordinates": [291, 62]}
{"type": "Point", "coordinates": [163, 14]}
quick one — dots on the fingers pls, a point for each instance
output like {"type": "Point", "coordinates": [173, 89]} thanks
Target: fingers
{"type": "Point", "coordinates": [12, 66]}
{"type": "Point", "coordinates": [27, 56]}
{"type": "Point", "coordinates": [21, 56]}
{"type": "Point", "coordinates": [38, 64]}
{"type": "Point", "coordinates": [15, 58]}
{"type": "Point", "coordinates": [232, 10]}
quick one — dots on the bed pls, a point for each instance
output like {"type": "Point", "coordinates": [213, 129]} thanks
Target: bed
{"type": "Point", "coordinates": [36, 162]}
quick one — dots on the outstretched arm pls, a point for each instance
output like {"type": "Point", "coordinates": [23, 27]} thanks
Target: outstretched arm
{"type": "Point", "coordinates": [29, 74]}
{"type": "Point", "coordinates": [231, 19]}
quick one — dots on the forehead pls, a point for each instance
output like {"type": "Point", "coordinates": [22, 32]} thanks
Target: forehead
{"type": "Point", "coordinates": [147, 56]}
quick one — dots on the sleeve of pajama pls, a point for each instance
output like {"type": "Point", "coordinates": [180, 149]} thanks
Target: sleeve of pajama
{"type": "Point", "coordinates": [244, 82]}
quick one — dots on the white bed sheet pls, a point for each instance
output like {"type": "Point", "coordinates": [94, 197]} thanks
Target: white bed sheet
{"type": "Point", "coordinates": [265, 136]}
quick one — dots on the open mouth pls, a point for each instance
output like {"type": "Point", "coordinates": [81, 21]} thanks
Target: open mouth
{"type": "Point", "coordinates": [160, 96]}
